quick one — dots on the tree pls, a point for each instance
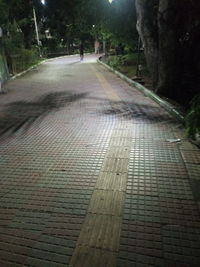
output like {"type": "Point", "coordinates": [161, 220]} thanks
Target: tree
{"type": "Point", "coordinates": [122, 21]}
{"type": "Point", "coordinates": [20, 14]}
{"type": "Point", "coordinates": [82, 19]}
{"type": "Point", "coordinates": [170, 31]}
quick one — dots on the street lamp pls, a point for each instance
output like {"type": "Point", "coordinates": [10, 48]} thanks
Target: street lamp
{"type": "Point", "coordinates": [36, 27]}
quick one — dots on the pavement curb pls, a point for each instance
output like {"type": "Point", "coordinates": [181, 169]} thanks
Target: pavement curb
{"type": "Point", "coordinates": [36, 65]}
{"type": "Point", "coordinates": [25, 71]}
{"type": "Point", "coordinates": [167, 106]}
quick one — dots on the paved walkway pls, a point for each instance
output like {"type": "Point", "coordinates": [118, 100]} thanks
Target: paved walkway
{"type": "Point", "coordinates": [89, 176]}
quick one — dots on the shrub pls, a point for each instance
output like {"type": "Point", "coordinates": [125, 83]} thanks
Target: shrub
{"type": "Point", "coordinates": [115, 61]}
{"type": "Point", "coordinates": [193, 118]}
{"type": "Point", "coordinates": [23, 59]}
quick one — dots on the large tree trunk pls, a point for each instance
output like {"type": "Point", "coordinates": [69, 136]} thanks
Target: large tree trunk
{"type": "Point", "coordinates": [169, 31]}
{"type": "Point", "coordinates": [148, 31]}
{"type": "Point", "coordinates": [168, 73]}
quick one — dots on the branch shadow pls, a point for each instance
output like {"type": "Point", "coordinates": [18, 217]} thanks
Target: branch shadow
{"type": "Point", "coordinates": [21, 115]}
{"type": "Point", "coordinates": [136, 111]}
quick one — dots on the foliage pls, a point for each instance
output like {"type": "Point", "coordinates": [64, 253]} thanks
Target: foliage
{"type": "Point", "coordinates": [83, 19]}
{"type": "Point", "coordinates": [115, 61]}
{"type": "Point", "coordinates": [122, 22]}
{"type": "Point", "coordinates": [14, 39]}
{"type": "Point", "coordinates": [129, 59]}
{"type": "Point", "coordinates": [23, 59]}
{"type": "Point", "coordinates": [193, 118]}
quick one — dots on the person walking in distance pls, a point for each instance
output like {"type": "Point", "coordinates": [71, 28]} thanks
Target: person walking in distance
{"type": "Point", "coordinates": [81, 51]}
{"type": "Point", "coordinates": [96, 46]}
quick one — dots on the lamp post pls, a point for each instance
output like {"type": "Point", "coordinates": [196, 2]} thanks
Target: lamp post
{"type": "Point", "coordinates": [1, 35]}
{"type": "Point", "coordinates": [36, 27]}
{"type": "Point", "coordinates": [36, 30]}
{"type": "Point", "coordinates": [4, 72]}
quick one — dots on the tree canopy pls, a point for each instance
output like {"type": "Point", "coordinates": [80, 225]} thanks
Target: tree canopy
{"type": "Point", "coordinates": [170, 32]}
{"type": "Point", "coordinates": [68, 20]}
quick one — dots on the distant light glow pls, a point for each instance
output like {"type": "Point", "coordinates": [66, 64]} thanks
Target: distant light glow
{"type": "Point", "coordinates": [110, 1]}
{"type": "Point", "coordinates": [43, 2]}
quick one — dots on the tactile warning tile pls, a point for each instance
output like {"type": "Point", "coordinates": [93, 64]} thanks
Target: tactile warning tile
{"type": "Point", "coordinates": [120, 141]}
{"type": "Point", "coordinates": [161, 169]}
{"type": "Point", "coordinates": [158, 153]}
{"type": "Point", "coordinates": [132, 259]}
{"type": "Point", "coordinates": [123, 132]}
{"type": "Point", "coordinates": [140, 244]}
{"type": "Point", "coordinates": [75, 152]}
{"type": "Point", "coordinates": [106, 202]}
{"type": "Point", "coordinates": [161, 210]}
{"type": "Point", "coordinates": [32, 221]}
{"type": "Point", "coordinates": [115, 165]}
{"type": "Point", "coordinates": [181, 245]}
{"type": "Point", "coordinates": [87, 256]}
{"type": "Point", "coordinates": [69, 179]}
{"type": "Point", "coordinates": [154, 244]}
{"type": "Point", "coordinates": [14, 180]}
{"type": "Point", "coordinates": [34, 249]}
{"type": "Point", "coordinates": [191, 156]}
{"type": "Point", "coordinates": [15, 246]}
{"type": "Point", "coordinates": [6, 216]}
{"type": "Point", "coordinates": [83, 165]}
{"type": "Point", "coordinates": [118, 152]}
{"type": "Point", "coordinates": [167, 187]}
{"type": "Point", "coordinates": [64, 225]}
{"type": "Point", "coordinates": [155, 132]}
{"type": "Point", "coordinates": [186, 145]}
{"type": "Point", "coordinates": [111, 181]}
{"type": "Point", "coordinates": [193, 170]}
{"type": "Point", "coordinates": [57, 200]}
{"type": "Point", "coordinates": [101, 231]}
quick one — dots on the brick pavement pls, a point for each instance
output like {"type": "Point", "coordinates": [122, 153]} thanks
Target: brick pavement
{"type": "Point", "coordinates": [88, 176]}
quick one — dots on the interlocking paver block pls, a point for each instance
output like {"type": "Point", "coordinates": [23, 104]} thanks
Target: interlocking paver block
{"type": "Point", "coordinates": [106, 202]}
{"type": "Point", "coordinates": [112, 181]}
{"type": "Point", "coordinates": [87, 256]}
{"type": "Point", "coordinates": [101, 231]}
{"type": "Point", "coordinates": [89, 176]}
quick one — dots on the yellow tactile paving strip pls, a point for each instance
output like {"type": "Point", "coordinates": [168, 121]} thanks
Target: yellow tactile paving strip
{"type": "Point", "coordinates": [99, 238]}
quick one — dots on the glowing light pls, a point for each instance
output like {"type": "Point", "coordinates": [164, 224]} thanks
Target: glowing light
{"type": "Point", "coordinates": [110, 1]}
{"type": "Point", "coordinates": [43, 2]}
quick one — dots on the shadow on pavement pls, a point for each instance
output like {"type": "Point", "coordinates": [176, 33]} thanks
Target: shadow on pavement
{"type": "Point", "coordinates": [21, 115]}
{"type": "Point", "coordinates": [137, 111]}
{"type": "Point", "coordinates": [73, 63]}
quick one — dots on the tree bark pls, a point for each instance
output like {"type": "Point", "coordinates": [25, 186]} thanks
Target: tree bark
{"type": "Point", "coordinates": [147, 29]}
{"type": "Point", "coordinates": [167, 70]}
{"type": "Point", "coordinates": [170, 31]}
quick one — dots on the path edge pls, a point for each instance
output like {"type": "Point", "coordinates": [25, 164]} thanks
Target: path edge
{"type": "Point", "coordinates": [167, 106]}
{"type": "Point", "coordinates": [34, 66]}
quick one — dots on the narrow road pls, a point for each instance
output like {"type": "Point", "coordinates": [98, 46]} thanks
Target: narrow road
{"type": "Point", "coordinates": [90, 175]}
